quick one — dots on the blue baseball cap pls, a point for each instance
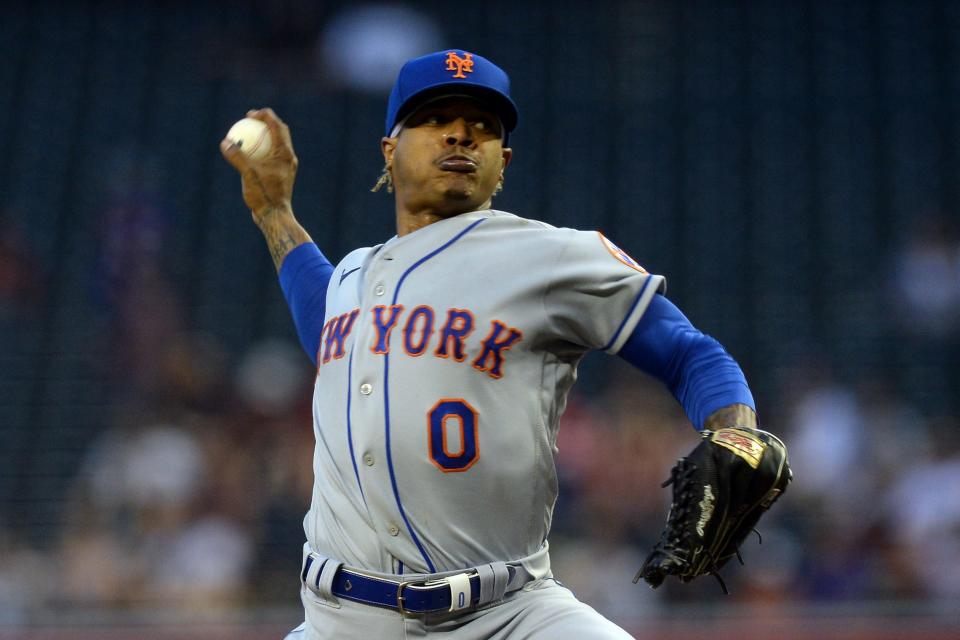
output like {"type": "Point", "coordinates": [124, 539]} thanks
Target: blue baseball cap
{"type": "Point", "coordinates": [451, 72]}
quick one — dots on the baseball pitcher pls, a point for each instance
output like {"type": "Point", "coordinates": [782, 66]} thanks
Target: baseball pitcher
{"type": "Point", "coordinates": [443, 360]}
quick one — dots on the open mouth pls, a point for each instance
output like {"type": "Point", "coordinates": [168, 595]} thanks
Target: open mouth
{"type": "Point", "coordinates": [459, 164]}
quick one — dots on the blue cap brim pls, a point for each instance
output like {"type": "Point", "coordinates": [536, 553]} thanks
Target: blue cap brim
{"type": "Point", "coordinates": [502, 106]}
{"type": "Point", "coordinates": [451, 73]}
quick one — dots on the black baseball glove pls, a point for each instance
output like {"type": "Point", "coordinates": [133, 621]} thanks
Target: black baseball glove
{"type": "Point", "coordinates": [720, 491]}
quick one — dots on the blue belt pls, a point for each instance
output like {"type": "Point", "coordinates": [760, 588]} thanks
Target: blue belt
{"type": "Point", "coordinates": [405, 596]}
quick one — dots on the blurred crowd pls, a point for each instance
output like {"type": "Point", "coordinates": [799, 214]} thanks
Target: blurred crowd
{"type": "Point", "coordinates": [192, 493]}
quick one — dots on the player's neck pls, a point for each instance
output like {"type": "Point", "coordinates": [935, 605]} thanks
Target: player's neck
{"type": "Point", "coordinates": [410, 221]}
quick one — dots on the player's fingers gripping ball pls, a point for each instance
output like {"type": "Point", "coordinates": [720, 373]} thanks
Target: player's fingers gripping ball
{"type": "Point", "coordinates": [720, 491]}
{"type": "Point", "coordinates": [252, 137]}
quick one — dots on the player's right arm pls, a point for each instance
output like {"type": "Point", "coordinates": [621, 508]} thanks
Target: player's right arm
{"type": "Point", "coordinates": [268, 191]}
{"type": "Point", "coordinates": [268, 187]}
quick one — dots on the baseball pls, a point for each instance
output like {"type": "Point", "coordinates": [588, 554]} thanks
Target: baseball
{"type": "Point", "coordinates": [252, 136]}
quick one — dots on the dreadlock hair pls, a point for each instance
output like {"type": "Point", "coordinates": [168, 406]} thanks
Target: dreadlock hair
{"type": "Point", "coordinates": [385, 180]}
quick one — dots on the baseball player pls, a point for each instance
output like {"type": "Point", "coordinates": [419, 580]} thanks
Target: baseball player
{"type": "Point", "coordinates": [443, 360]}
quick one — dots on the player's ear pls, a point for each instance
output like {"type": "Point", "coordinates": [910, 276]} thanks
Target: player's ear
{"type": "Point", "coordinates": [388, 146]}
{"type": "Point", "coordinates": [507, 156]}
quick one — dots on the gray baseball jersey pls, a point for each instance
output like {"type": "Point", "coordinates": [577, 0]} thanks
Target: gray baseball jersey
{"type": "Point", "coordinates": [443, 368]}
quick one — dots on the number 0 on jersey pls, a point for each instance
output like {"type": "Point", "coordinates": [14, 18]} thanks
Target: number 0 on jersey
{"type": "Point", "coordinates": [453, 413]}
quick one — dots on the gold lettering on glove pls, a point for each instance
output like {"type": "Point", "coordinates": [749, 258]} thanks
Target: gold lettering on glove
{"type": "Point", "coordinates": [742, 443]}
{"type": "Point", "coordinates": [706, 509]}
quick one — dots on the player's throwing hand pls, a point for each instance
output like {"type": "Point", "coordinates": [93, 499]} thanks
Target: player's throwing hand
{"type": "Point", "coordinates": [267, 182]}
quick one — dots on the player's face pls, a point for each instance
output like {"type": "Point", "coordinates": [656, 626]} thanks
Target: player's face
{"type": "Point", "coordinates": [447, 159]}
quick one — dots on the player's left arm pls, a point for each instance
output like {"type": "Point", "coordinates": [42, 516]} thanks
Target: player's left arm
{"type": "Point", "coordinates": [702, 376]}
{"type": "Point", "coordinates": [590, 272]}
{"type": "Point", "coordinates": [732, 415]}
{"type": "Point", "coordinates": [736, 472]}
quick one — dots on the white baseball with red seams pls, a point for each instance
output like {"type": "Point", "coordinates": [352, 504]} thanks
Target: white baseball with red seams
{"type": "Point", "coordinates": [252, 136]}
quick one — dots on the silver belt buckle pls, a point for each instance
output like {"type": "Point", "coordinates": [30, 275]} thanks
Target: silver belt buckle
{"type": "Point", "coordinates": [459, 585]}
{"type": "Point", "coordinates": [403, 584]}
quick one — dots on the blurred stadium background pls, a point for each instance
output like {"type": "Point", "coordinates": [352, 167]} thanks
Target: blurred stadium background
{"type": "Point", "coordinates": [793, 168]}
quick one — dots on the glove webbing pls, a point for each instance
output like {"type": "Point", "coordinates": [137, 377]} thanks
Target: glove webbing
{"type": "Point", "coordinates": [680, 524]}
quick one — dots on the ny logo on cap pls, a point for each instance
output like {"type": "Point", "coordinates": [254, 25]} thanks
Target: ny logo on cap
{"type": "Point", "coordinates": [460, 65]}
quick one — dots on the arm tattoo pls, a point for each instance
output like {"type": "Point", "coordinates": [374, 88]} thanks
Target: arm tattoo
{"type": "Point", "coordinates": [275, 218]}
{"type": "Point", "coordinates": [282, 233]}
{"type": "Point", "coordinates": [280, 242]}
{"type": "Point", "coordinates": [734, 415]}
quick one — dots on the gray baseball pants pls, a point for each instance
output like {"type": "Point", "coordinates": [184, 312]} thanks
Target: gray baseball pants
{"type": "Point", "coordinates": [541, 610]}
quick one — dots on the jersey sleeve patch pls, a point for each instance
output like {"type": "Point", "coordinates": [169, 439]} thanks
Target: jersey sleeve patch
{"type": "Point", "coordinates": [620, 254]}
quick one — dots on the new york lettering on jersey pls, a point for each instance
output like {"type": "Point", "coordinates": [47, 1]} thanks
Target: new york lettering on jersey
{"type": "Point", "coordinates": [419, 336]}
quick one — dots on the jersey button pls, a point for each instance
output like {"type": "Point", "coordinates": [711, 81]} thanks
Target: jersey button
{"type": "Point", "coordinates": [379, 289]}
{"type": "Point", "coordinates": [366, 388]}
{"type": "Point", "coordinates": [394, 530]}
{"type": "Point", "coordinates": [368, 460]}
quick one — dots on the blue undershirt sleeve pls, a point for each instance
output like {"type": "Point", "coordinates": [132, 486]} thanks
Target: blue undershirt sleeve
{"type": "Point", "coordinates": [304, 276]}
{"type": "Point", "coordinates": [699, 373]}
